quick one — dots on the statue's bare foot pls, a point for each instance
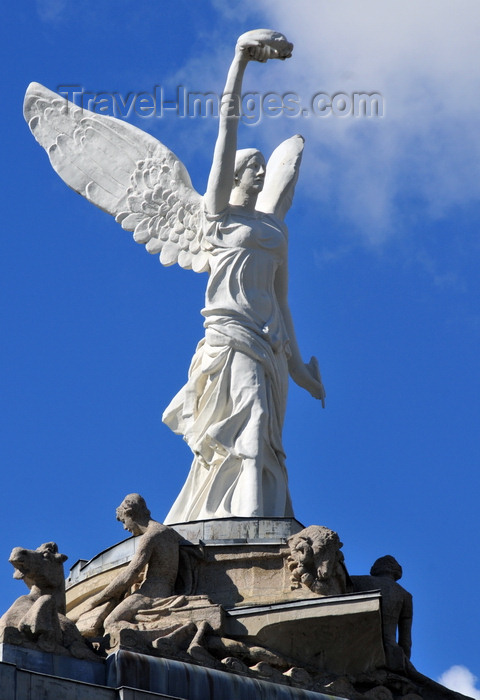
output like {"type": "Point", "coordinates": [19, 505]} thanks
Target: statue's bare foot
{"type": "Point", "coordinates": [299, 676]}
{"type": "Point", "coordinates": [197, 649]}
{"type": "Point", "coordinates": [199, 653]}
{"type": "Point", "coordinates": [170, 643]}
{"type": "Point", "coordinates": [235, 664]}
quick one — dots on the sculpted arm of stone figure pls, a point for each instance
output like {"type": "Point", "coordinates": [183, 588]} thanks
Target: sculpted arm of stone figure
{"type": "Point", "coordinates": [117, 588]}
{"type": "Point", "coordinates": [305, 375]}
{"type": "Point", "coordinates": [405, 625]}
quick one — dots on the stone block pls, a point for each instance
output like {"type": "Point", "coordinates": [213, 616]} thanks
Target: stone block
{"type": "Point", "coordinates": [338, 634]}
{"type": "Point", "coordinates": [7, 681]}
{"type": "Point", "coordinates": [239, 530]}
{"type": "Point", "coordinates": [33, 686]}
{"type": "Point", "coordinates": [117, 555]}
{"type": "Point", "coordinates": [53, 664]}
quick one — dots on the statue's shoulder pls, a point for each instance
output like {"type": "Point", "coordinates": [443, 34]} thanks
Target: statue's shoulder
{"type": "Point", "coordinates": [164, 532]}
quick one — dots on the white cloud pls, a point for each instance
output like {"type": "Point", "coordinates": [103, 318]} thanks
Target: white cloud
{"type": "Point", "coordinates": [462, 680]}
{"type": "Point", "coordinates": [424, 154]}
{"type": "Point", "coordinates": [50, 10]}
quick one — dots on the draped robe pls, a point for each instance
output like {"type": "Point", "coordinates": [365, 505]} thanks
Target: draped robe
{"type": "Point", "coordinates": [231, 409]}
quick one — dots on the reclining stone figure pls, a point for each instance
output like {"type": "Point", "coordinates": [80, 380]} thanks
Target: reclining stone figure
{"type": "Point", "coordinates": [155, 618]}
{"type": "Point", "coordinates": [153, 611]}
{"type": "Point", "coordinates": [155, 560]}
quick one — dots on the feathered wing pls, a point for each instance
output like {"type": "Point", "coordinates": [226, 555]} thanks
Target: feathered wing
{"type": "Point", "coordinates": [124, 171]}
{"type": "Point", "coordinates": [281, 176]}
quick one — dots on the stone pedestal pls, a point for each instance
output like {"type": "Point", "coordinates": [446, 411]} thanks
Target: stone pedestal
{"type": "Point", "coordinates": [238, 569]}
{"type": "Point", "coordinates": [242, 562]}
{"type": "Point", "coordinates": [241, 565]}
{"type": "Point", "coordinates": [52, 665]}
{"type": "Point", "coordinates": [194, 682]}
{"type": "Point", "coordinates": [28, 675]}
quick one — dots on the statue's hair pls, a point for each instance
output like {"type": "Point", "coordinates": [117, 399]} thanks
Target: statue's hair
{"type": "Point", "coordinates": [242, 157]}
{"type": "Point", "coordinates": [386, 565]}
{"type": "Point", "coordinates": [134, 505]}
{"type": "Point", "coordinates": [318, 537]}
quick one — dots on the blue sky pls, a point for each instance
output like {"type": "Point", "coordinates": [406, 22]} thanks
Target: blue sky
{"type": "Point", "coordinates": [384, 256]}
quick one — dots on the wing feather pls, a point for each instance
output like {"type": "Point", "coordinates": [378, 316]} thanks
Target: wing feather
{"type": "Point", "coordinates": [124, 171]}
{"type": "Point", "coordinates": [281, 176]}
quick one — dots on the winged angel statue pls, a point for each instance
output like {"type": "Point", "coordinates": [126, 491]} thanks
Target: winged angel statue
{"type": "Point", "coordinates": [232, 407]}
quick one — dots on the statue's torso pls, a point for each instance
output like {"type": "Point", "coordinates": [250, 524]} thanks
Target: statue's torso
{"type": "Point", "coordinates": [246, 251]}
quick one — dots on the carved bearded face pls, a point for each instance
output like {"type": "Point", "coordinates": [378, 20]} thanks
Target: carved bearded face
{"type": "Point", "coordinates": [302, 555]}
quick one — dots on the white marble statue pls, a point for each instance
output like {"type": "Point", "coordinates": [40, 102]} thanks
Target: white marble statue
{"type": "Point", "coordinates": [232, 407]}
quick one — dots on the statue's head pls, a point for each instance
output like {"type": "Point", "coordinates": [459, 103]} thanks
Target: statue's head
{"type": "Point", "coordinates": [387, 566]}
{"type": "Point", "coordinates": [133, 512]}
{"type": "Point", "coordinates": [42, 567]}
{"type": "Point", "coordinates": [315, 550]}
{"type": "Point", "coordinates": [250, 169]}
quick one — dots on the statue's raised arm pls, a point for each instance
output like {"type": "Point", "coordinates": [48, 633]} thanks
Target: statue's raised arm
{"type": "Point", "coordinates": [257, 45]}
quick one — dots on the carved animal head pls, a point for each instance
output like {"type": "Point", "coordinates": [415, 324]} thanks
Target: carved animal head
{"type": "Point", "coordinates": [315, 554]}
{"type": "Point", "coordinates": [41, 567]}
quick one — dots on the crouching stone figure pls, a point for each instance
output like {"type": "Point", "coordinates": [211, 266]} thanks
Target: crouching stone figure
{"type": "Point", "coordinates": [155, 561]}
{"type": "Point", "coordinates": [38, 620]}
{"type": "Point", "coordinates": [397, 610]}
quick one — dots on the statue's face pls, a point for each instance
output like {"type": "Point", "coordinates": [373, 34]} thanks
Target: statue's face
{"type": "Point", "coordinates": [253, 175]}
{"type": "Point", "coordinates": [130, 524]}
{"type": "Point", "coordinates": [326, 560]}
{"type": "Point", "coordinates": [128, 521]}
{"type": "Point", "coordinates": [302, 554]}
